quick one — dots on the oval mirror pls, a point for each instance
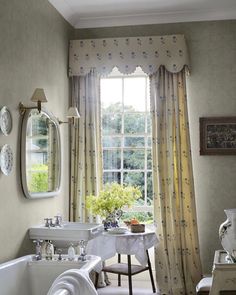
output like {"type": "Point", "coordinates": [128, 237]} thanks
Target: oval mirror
{"type": "Point", "coordinates": [40, 155]}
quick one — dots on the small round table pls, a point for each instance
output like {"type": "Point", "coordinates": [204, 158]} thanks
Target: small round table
{"type": "Point", "coordinates": [108, 245]}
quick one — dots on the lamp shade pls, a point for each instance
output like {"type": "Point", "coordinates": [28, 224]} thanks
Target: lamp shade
{"type": "Point", "coordinates": [39, 95]}
{"type": "Point", "coordinates": [73, 113]}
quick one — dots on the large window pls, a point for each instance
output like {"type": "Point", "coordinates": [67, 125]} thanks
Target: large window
{"type": "Point", "coordinates": [126, 136]}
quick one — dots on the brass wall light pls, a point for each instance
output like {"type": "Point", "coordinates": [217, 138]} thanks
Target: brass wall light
{"type": "Point", "coordinates": [72, 114]}
{"type": "Point", "coordinates": [38, 96]}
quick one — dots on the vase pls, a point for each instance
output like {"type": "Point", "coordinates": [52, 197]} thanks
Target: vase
{"type": "Point", "coordinates": [112, 220]}
{"type": "Point", "coordinates": [227, 234]}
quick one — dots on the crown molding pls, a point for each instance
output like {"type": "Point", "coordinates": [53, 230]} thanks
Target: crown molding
{"type": "Point", "coordinates": [81, 22]}
{"type": "Point", "coordinates": [154, 18]}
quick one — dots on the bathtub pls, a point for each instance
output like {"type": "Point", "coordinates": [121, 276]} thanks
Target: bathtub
{"type": "Point", "coordinates": [26, 276]}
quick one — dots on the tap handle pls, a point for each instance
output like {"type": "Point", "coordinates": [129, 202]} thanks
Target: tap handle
{"type": "Point", "coordinates": [47, 222]}
{"type": "Point", "coordinates": [58, 220]}
{"type": "Point", "coordinates": [50, 222]}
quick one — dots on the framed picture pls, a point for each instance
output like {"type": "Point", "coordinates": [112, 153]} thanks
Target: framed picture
{"type": "Point", "coordinates": [218, 136]}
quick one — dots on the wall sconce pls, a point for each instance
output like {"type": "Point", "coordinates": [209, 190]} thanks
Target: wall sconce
{"type": "Point", "coordinates": [38, 96]}
{"type": "Point", "coordinates": [72, 114]}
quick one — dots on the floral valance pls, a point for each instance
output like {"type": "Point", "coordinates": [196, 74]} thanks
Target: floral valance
{"type": "Point", "coordinates": [127, 54]}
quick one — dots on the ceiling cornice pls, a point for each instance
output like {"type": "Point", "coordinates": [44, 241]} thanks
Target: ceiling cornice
{"type": "Point", "coordinates": [154, 18]}
{"type": "Point", "coordinates": [80, 22]}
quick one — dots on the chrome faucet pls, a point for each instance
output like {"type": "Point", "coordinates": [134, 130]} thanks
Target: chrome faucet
{"type": "Point", "coordinates": [47, 224]}
{"type": "Point", "coordinates": [58, 220]}
{"type": "Point", "coordinates": [50, 223]}
{"type": "Point", "coordinates": [38, 254]}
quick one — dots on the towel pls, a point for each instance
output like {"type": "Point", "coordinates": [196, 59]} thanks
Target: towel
{"type": "Point", "coordinates": [75, 282]}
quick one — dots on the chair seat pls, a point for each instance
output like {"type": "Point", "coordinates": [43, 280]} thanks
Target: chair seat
{"type": "Point", "coordinates": [204, 286]}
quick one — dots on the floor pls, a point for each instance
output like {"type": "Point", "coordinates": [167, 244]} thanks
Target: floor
{"type": "Point", "coordinates": [139, 288]}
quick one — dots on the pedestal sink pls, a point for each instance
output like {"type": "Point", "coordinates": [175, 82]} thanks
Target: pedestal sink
{"type": "Point", "coordinates": [69, 232]}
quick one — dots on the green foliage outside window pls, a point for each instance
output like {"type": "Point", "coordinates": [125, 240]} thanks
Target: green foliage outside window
{"type": "Point", "coordinates": [126, 130]}
{"type": "Point", "coordinates": [38, 177]}
{"type": "Point", "coordinates": [142, 217]}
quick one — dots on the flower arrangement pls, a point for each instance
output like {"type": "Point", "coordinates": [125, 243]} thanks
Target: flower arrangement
{"type": "Point", "coordinates": [112, 198]}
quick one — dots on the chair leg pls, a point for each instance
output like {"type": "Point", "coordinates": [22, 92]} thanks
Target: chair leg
{"type": "Point", "coordinates": [119, 276]}
{"type": "Point", "coordinates": [150, 273]}
{"type": "Point", "coordinates": [129, 275]}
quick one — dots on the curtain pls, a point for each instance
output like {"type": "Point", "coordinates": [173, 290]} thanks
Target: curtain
{"type": "Point", "coordinates": [85, 142]}
{"type": "Point", "coordinates": [177, 257]}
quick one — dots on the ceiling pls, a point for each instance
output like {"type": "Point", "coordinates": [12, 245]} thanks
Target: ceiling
{"type": "Point", "coordinates": [108, 13]}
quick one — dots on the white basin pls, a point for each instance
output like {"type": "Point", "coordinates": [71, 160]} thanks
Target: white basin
{"type": "Point", "coordinates": [69, 232]}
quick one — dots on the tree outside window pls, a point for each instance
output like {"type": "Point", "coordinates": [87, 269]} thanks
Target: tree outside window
{"type": "Point", "coordinates": [126, 138]}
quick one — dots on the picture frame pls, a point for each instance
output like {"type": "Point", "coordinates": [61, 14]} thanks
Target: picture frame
{"type": "Point", "coordinates": [217, 136]}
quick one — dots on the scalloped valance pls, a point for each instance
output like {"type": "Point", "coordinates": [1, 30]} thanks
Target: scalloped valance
{"type": "Point", "coordinates": [127, 54]}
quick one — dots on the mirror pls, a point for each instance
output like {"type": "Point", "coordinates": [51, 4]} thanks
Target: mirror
{"type": "Point", "coordinates": [40, 155]}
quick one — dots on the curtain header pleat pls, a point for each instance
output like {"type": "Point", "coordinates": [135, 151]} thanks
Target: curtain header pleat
{"type": "Point", "coordinates": [127, 54]}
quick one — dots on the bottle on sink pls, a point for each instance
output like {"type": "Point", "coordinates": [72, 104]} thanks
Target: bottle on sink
{"type": "Point", "coordinates": [71, 253]}
{"type": "Point", "coordinates": [49, 250]}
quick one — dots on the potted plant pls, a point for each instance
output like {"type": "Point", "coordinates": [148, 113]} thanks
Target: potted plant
{"type": "Point", "coordinates": [110, 202]}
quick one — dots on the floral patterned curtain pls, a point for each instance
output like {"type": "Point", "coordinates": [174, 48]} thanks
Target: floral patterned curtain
{"type": "Point", "coordinates": [86, 153]}
{"type": "Point", "coordinates": [164, 59]}
{"type": "Point", "coordinates": [127, 54]}
{"type": "Point", "coordinates": [178, 264]}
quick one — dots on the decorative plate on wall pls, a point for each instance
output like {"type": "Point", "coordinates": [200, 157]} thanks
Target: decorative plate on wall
{"type": "Point", "coordinates": [6, 159]}
{"type": "Point", "coordinates": [5, 120]}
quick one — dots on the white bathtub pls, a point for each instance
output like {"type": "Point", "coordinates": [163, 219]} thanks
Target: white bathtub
{"type": "Point", "coordinates": [25, 276]}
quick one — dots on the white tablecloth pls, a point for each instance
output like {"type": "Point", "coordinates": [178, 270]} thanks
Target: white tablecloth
{"type": "Point", "coordinates": [107, 245]}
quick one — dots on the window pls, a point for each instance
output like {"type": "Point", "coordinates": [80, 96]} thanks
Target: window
{"type": "Point", "coordinates": [126, 136]}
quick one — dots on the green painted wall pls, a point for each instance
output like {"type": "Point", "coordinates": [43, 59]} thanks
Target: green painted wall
{"type": "Point", "coordinates": [211, 92]}
{"type": "Point", "coordinates": [33, 53]}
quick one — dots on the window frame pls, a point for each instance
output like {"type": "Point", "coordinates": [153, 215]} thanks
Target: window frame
{"type": "Point", "coordinates": [146, 135]}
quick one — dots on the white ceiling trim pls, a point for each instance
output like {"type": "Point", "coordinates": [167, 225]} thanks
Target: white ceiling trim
{"type": "Point", "coordinates": [154, 18]}
{"type": "Point", "coordinates": [78, 21]}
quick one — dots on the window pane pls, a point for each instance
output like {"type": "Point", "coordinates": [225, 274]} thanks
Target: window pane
{"type": "Point", "coordinates": [111, 124]}
{"type": "Point", "coordinates": [112, 108]}
{"type": "Point", "coordinates": [149, 129]}
{"type": "Point", "coordinates": [149, 189]}
{"type": "Point", "coordinates": [134, 142]}
{"type": "Point", "coordinates": [134, 123]}
{"type": "Point", "coordinates": [111, 159]}
{"type": "Point", "coordinates": [149, 159]}
{"type": "Point", "coordinates": [142, 217]}
{"type": "Point", "coordinates": [108, 141]}
{"type": "Point", "coordinates": [135, 179]}
{"type": "Point", "coordinates": [108, 95]}
{"type": "Point", "coordinates": [126, 136]}
{"type": "Point", "coordinates": [109, 177]}
{"type": "Point", "coordinates": [134, 159]}
{"type": "Point", "coordinates": [134, 93]}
